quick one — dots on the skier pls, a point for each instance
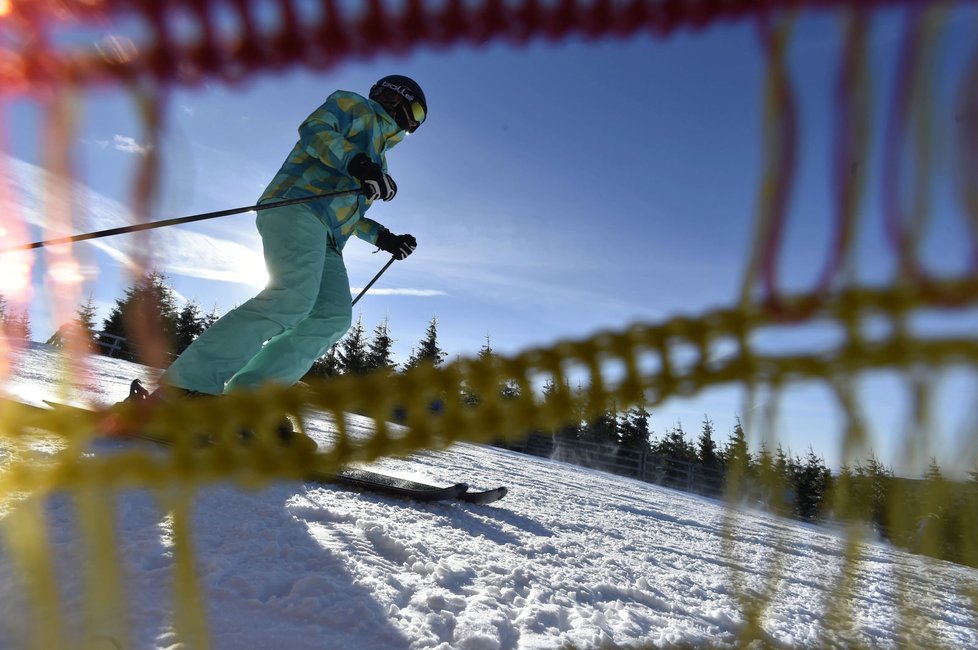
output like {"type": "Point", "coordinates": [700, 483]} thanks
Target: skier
{"type": "Point", "coordinates": [305, 307]}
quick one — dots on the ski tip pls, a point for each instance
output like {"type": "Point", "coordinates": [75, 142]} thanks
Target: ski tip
{"type": "Point", "coordinates": [484, 497]}
{"type": "Point", "coordinates": [74, 408]}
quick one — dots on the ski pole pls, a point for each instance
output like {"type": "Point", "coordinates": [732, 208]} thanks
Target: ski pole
{"type": "Point", "coordinates": [376, 277]}
{"type": "Point", "coordinates": [171, 222]}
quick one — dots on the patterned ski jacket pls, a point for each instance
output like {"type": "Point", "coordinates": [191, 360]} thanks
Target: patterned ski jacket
{"type": "Point", "coordinates": [345, 125]}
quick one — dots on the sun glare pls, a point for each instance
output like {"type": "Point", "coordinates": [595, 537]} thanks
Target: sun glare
{"type": "Point", "coordinates": [15, 275]}
{"type": "Point", "coordinates": [5, 7]}
{"type": "Point", "coordinates": [66, 273]}
{"type": "Point", "coordinates": [255, 275]}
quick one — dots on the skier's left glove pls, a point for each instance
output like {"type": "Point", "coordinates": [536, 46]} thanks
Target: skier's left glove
{"type": "Point", "coordinates": [400, 246]}
{"type": "Point", "coordinates": [373, 181]}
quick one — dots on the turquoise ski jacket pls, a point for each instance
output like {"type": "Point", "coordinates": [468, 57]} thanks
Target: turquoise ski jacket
{"type": "Point", "coordinates": [345, 125]}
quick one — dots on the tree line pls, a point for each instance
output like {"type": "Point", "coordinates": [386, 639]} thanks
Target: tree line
{"type": "Point", "coordinates": [150, 298]}
{"type": "Point", "coordinates": [14, 324]}
{"type": "Point", "coordinates": [931, 514]}
{"type": "Point", "coordinates": [905, 511]}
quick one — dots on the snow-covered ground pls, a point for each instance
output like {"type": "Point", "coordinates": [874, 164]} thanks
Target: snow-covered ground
{"type": "Point", "coordinates": [570, 557]}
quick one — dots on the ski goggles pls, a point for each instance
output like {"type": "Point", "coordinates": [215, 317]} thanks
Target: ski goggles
{"type": "Point", "coordinates": [410, 112]}
{"type": "Point", "coordinates": [415, 114]}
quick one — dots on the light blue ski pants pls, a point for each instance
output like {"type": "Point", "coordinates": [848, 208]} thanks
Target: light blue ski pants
{"type": "Point", "coordinates": [277, 335]}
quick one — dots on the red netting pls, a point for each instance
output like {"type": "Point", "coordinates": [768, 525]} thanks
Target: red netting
{"type": "Point", "coordinates": [189, 40]}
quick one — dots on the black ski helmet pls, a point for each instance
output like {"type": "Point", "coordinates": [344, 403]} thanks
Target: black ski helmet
{"type": "Point", "coordinates": [403, 98]}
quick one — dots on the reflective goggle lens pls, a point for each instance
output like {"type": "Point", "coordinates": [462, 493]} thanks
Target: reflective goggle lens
{"type": "Point", "coordinates": [417, 111]}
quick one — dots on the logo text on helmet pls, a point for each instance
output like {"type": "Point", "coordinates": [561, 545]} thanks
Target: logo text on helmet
{"type": "Point", "coordinates": [403, 91]}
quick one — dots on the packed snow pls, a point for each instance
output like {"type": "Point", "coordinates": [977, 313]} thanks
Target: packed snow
{"type": "Point", "coordinates": [570, 557]}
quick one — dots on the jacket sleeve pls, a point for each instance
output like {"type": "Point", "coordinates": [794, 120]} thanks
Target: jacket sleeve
{"type": "Point", "coordinates": [368, 229]}
{"type": "Point", "coordinates": [330, 133]}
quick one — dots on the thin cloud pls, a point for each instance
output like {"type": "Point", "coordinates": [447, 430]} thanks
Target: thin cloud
{"type": "Point", "coordinates": [421, 293]}
{"type": "Point", "coordinates": [176, 251]}
{"type": "Point", "coordinates": [127, 144]}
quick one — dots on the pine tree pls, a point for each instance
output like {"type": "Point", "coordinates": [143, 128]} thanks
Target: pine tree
{"type": "Point", "coordinates": [783, 465]}
{"type": "Point", "coordinates": [707, 446]}
{"type": "Point", "coordinates": [812, 483]}
{"type": "Point", "coordinates": [82, 327]}
{"type": "Point", "coordinates": [633, 429]}
{"type": "Point", "coordinates": [603, 428]}
{"type": "Point", "coordinates": [145, 316]}
{"type": "Point", "coordinates": [510, 389]}
{"type": "Point", "coordinates": [764, 466]}
{"type": "Point", "coordinates": [486, 352]}
{"type": "Point", "coordinates": [737, 461]}
{"type": "Point", "coordinates": [874, 486]}
{"type": "Point", "coordinates": [86, 320]}
{"type": "Point", "coordinates": [844, 495]}
{"type": "Point", "coordinates": [14, 324]}
{"type": "Point", "coordinates": [18, 325]}
{"type": "Point", "coordinates": [940, 519]}
{"type": "Point", "coordinates": [507, 388]}
{"type": "Point", "coordinates": [572, 428]}
{"type": "Point", "coordinates": [469, 395]}
{"type": "Point", "coordinates": [352, 353]}
{"type": "Point", "coordinates": [675, 445]}
{"type": "Point", "coordinates": [211, 318]}
{"type": "Point", "coordinates": [736, 453]}
{"type": "Point", "coordinates": [679, 455]}
{"type": "Point", "coordinates": [325, 366]}
{"type": "Point", "coordinates": [427, 351]}
{"type": "Point", "coordinates": [189, 325]}
{"type": "Point", "coordinates": [379, 351]}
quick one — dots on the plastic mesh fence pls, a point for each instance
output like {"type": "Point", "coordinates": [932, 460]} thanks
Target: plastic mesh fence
{"type": "Point", "coordinates": [189, 41]}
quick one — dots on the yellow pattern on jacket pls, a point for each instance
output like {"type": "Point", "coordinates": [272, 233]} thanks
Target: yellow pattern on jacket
{"type": "Point", "coordinates": [345, 125]}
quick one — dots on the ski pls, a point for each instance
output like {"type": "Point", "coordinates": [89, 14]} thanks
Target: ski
{"type": "Point", "coordinates": [351, 477]}
{"type": "Point", "coordinates": [392, 485]}
{"type": "Point", "coordinates": [484, 497]}
{"type": "Point", "coordinates": [33, 409]}
{"type": "Point", "coordinates": [13, 403]}
{"type": "Point", "coordinates": [378, 482]}
{"type": "Point", "coordinates": [107, 428]}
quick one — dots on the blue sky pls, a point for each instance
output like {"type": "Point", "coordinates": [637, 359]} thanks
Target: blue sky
{"type": "Point", "coordinates": [554, 190]}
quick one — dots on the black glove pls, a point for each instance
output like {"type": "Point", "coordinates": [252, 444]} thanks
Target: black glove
{"type": "Point", "coordinates": [374, 182]}
{"type": "Point", "coordinates": [400, 246]}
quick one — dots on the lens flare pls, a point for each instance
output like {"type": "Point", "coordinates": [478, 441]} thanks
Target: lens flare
{"type": "Point", "coordinates": [66, 272]}
{"type": "Point", "coordinates": [15, 275]}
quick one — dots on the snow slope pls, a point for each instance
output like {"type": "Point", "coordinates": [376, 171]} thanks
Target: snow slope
{"type": "Point", "coordinates": [571, 556]}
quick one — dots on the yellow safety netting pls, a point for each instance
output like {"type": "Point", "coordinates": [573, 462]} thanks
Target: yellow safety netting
{"type": "Point", "coordinates": [640, 363]}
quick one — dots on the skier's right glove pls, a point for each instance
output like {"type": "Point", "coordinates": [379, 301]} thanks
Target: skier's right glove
{"type": "Point", "coordinates": [400, 246]}
{"type": "Point", "coordinates": [373, 181]}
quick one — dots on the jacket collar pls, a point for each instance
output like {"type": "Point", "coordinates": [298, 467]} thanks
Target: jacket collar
{"type": "Point", "coordinates": [388, 126]}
